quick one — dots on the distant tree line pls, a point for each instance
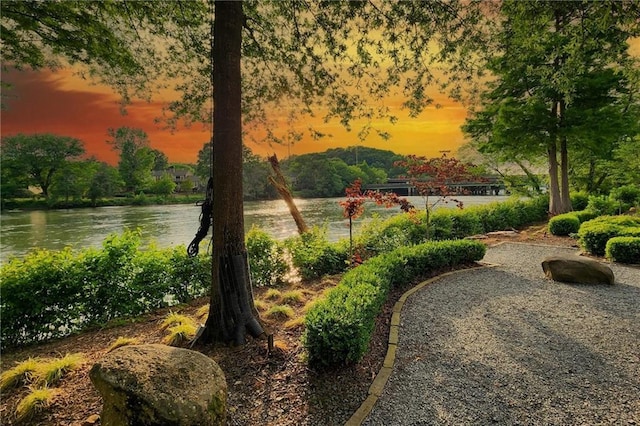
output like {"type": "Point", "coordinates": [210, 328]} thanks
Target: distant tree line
{"type": "Point", "coordinates": [314, 175]}
{"type": "Point", "coordinates": [56, 166]}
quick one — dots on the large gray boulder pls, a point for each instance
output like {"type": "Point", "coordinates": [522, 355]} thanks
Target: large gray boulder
{"type": "Point", "coordinates": [160, 385]}
{"type": "Point", "coordinates": [575, 269]}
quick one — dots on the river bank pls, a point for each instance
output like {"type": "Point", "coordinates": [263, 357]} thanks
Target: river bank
{"type": "Point", "coordinates": [36, 203]}
{"type": "Point", "coordinates": [175, 224]}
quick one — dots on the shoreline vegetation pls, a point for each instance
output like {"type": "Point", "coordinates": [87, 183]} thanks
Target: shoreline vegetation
{"type": "Point", "coordinates": [141, 199]}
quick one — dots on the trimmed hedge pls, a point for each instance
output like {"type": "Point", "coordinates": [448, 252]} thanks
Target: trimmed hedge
{"type": "Point", "coordinates": [446, 224]}
{"type": "Point", "coordinates": [594, 234]}
{"type": "Point", "coordinates": [339, 327]}
{"type": "Point", "coordinates": [623, 249]}
{"type": "Point", "coordinates": [50, 294]}
{"type": "Point", "coordinates": [564, 224]}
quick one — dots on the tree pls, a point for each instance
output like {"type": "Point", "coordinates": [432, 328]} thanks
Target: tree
{"type": "Point", "coordinates": [105, 183]}
{"type": "Point", "coordinates": [163, 186]}
{"type": "Point", "coordinates": [160, 162]}
{"type": "Point", "coordinates": [353, 206]}
{"type": "Point", "coordinates": [437, 177]}
{"type": "Point", "coordinates": [39, 156]}
{"type": "Point", "coordinates": [73, 180]}
{"type": "Point", "coordinates": [136, 158]}
{"type": "Point", "coordinates": [203, 166]}
{"type": "Point", "coordinates": [331, 51]}
{"type": "Point", "coordinates": [560, 84]}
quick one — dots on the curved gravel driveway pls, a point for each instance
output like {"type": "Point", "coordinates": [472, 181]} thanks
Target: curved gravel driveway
{"type": "Point", "coordinates": [503, 345]}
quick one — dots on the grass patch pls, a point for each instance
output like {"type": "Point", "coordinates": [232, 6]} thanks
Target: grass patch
{"type": "Point", "coordinates": [281, 312]}
{"type": "Point", "coordinates": [19, 375]}
{"type": "Point", "coordinates": [202, 311]}
{"type": "Point", "coordinates": [175, 319]}
{"type": "Point", "coordinates": [272, 294]}
{"type": "Point", "coordinates": [293, 296]}
{"type": "Point", "coordinates": [294, 323]}
{"type": "Point", "coordinates": [123, 341]}
{"type": "Point", "coordinates": [35, 402]}
{"type": "Point", "coordinates": [180, 334]}
{"type": "Point", "coordinates": [51, 372]}
{"type": "Point", "coordinates": [260, 305]}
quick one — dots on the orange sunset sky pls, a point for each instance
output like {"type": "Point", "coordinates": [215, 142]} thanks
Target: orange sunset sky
{"type": "Point", "coordinates": [65, 104]}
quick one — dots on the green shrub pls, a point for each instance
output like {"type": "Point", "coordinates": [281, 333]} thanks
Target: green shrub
{"type": "Point", "coordinates": [339, 327]}
{"type": "Point", "coordinates": [267, 263]}
{"type": "Point", "coordinates": [564, 224]}
{"type": "Point", "coordinates": [602, 205]}
{"type": "Point", "coordinates": [595, 233]}
{"type": "Point", "coordinates": [579, 200]}
{"type": "Point", "coordinates": [380, 236]}
{"type": "Point", "coordinates": [585, 215]}
{"type": "Point", "coordinates": [50, 294]}
{"type": "Point", "coordinates": [626, 196]}
{"type": "Point", "coordinates": [623, 249]}
{"type": "Point", "coordinates": [314, 256]}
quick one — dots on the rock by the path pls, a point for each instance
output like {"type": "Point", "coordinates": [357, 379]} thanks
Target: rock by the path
{"type": "Point", "coordinates": [160, 385]}
{"type": "Point", "coordinates": [575, 269]}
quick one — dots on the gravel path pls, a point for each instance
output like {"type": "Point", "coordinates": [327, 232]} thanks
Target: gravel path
{"type": "Point", "coordinates": [505, 346]}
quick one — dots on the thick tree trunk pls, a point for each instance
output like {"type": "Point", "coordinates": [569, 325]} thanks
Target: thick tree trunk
{"type": "Point", "coordinates": [232, 313]}
{"type": "Point", "coordinates": [280, 183]}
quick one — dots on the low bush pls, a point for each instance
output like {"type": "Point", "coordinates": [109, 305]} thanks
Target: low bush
{"type": "Point", "coordinates": [314, 256]}
{"type": "Point", "coordinates": [267, 262]}
{"type": "Point", "coordinates": [564, 224]}
{"type": "Point", "coordinates": [339, 327]}
{"type": "Point", "coordinates": [585, 215]}
{"type": "Point", "coordinates": [594, 234]}
{"type": "Point", "coordinates": [623, 249]}
{"type": "Point", "coordinates": [602, 205]}
{"type": "Point", "coordinates": [379, 236]}
{"type": "Point", "coordinates": [50, 294]}
{"type": "Point", "coordinates": [579, 200]}
{"type": "Point", "coordinates": [626, 196]}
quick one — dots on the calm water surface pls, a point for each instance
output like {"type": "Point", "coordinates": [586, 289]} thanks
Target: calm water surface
{"type": "Point", "coordinates": [174, 224]}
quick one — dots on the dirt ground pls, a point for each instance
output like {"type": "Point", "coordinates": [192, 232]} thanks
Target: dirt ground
{"type": "Point", "coordinates": [266, 389]}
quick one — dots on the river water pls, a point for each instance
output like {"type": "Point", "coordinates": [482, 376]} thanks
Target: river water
{"type": "Point", "coordinates": [169, 225]}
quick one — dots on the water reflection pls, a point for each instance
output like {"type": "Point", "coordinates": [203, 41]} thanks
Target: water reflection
{"type": "Point", "coordinates": [174, 224]}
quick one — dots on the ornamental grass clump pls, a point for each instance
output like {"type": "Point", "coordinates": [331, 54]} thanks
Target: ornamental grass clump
{"type": "Point", "coordinates": [174, 319]}
{"type": "Point", "coordinates": [52, 371]}
{"type": "Point", "coordinates": [181, 329]}
{"type": "Point", "coordinates": [36, 401]}
{"type": "Point", "coordinates": [19, 375]}
{"type": "Point", "coordinates": [123, 341]}
{"type": "Point", "coordinates": [292, 296]}
{"type": "Point", "coordinates": [280, 312]}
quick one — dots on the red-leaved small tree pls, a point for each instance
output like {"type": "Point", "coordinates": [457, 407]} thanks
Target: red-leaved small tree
{"type": "Point", "coordinates": [436, 177]}
{"type": "Point", "coordinates": [353, 206]}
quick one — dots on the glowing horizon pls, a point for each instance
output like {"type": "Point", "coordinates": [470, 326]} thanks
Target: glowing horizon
{"type": "Point", "coordinates": [63, 103]}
